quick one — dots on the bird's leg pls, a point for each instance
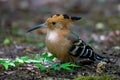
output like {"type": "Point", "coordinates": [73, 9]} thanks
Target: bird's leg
{"type": "Point", "coordinates": [84, 61]}
{"type": "Point", "coordinates": [76, 61]}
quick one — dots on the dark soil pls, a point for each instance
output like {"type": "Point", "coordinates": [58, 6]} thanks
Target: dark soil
{"type": "Point", "coordinates": [28, 72]}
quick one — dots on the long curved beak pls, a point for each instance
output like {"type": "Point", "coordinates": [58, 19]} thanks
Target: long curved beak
{"type": "Point", "coordinates": [37, 27]}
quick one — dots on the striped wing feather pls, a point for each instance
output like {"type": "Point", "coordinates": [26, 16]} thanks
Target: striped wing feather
{"type": "Point", "coordinates": [80, 49]}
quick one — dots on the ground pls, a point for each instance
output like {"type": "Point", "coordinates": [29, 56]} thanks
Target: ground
{"type": "Point", "coordinates": [27, 71]}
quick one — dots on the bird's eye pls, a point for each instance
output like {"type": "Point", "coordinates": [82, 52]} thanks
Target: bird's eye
{"type": "Point", "coordinates": [53, 23]}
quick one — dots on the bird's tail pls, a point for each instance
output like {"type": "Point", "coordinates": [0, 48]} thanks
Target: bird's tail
{"type": "Point", "coordinates": [98, 57]}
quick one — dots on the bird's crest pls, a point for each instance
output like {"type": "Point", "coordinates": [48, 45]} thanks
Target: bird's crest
{"type": "Point", "coordinates": [63, 17]}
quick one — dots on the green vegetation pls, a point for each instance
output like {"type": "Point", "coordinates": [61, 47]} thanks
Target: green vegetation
{"type": "Point", "coordinates": [38, 61]}
{"type": "Point", "coordinates": [6, 41]}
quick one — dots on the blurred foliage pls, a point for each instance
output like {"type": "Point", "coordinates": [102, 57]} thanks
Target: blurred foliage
{"type": "Point", "coordinates": [93, 78]}
{"type": "Point", "coordinates": [6, 41]}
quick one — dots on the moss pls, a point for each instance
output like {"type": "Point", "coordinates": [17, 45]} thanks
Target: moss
{"type": "Point", "coordinates": [92, 78]}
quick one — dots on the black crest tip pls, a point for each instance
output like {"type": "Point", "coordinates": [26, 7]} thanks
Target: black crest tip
{"type": "Point", "coordinates": [75, 18]}
{"type": "Point", "coordinates": [65, 16]}
{"type": "Point", "coordinates": [57, 14]}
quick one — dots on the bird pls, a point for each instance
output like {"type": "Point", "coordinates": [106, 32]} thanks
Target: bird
{"type": "Point", "coordinates": [62, 42]}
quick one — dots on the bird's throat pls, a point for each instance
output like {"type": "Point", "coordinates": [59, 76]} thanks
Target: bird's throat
{"type": "Point", "coordinates": [52, 36]}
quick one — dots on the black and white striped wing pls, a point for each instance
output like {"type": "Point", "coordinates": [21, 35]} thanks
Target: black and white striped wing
{"type": "Point", "coordinates": [80, 49]}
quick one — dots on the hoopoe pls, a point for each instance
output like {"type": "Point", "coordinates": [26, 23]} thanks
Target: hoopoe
{"type": "Point", "coordinates": [64, 43]}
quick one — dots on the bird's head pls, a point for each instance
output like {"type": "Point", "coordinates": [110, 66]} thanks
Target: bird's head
{"type": "Point", "coordinates": [57, 21]}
